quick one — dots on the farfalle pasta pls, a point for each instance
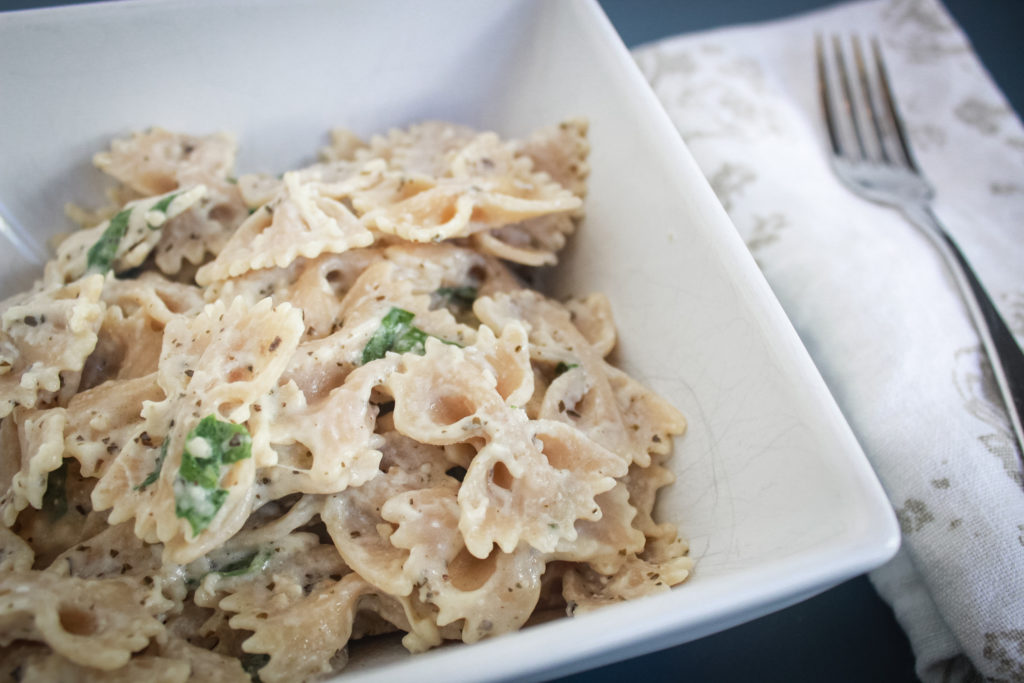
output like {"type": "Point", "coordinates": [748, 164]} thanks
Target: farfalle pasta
{"type": "Point", "coordinates": [245, 421]}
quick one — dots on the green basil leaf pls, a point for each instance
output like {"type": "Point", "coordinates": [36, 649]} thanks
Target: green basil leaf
{"type": "Point", "coordinates": [564, 367]}
{"type": "Point", "coordinates": [55, 499]}
{"type": "Point", "coordinates": [231, 441]}
{"type": "Point", "coordinates": [396, 333]}
{"type": "Point", "coordinates": [212, 443]}
{"type": "Point", "coordinates": [162, 205]}
{"type": "Point", "coordinates": [100, 257]}
{"type": "Point", "coordinates": [155, 474]}
{"type": "Point", "coordinates": [196, 504]}
{"type": "Point", "coordinates": [457, 297]}
{"type": "Point", "coordinates": [392, 327]}
{"type": "Point", "coordinates": [256, 561]}
{"type": "Point", "coordinates": [411, 340]}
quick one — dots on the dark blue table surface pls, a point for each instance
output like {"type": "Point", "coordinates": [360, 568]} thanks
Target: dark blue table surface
{"type": "Point", "coordinates": [846, 634]}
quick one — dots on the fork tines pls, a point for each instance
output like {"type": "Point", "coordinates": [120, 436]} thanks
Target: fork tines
{"type": "Point", "coordinates": [863, 123]}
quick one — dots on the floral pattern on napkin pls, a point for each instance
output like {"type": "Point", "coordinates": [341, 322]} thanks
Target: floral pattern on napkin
{"type": "Point", "coordinates": [873, 302]}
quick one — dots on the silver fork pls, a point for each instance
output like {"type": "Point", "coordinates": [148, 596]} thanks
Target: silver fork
{"type": "Point", "coordinates": [871, 155]}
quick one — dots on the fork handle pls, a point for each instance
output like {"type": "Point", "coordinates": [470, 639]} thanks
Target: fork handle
{"type": "Point", "coordinates": [1004, 354]}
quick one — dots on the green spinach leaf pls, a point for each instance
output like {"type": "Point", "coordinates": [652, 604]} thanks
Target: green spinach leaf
{"type": "Point", "coordinates": [197, 493]}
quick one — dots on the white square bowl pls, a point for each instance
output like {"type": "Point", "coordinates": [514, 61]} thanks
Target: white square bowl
{"type": "Point", "coordinates": [774, 493]}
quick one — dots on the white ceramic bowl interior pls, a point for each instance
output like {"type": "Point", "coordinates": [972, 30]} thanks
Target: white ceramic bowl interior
{"type": "Point", "coordinates": [773, 491]}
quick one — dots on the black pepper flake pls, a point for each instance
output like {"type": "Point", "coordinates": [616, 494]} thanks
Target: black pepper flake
{"type": "Point", "coordinates": [274, 344]}
{"type": "Point", "coordinates": [31, 320]}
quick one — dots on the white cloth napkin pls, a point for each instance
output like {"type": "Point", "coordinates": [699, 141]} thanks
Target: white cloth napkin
{"type": "Point", "coordinates": [872, 300]}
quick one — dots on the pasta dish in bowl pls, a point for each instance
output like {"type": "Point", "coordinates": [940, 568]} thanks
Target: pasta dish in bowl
{"type": "Point", "coordinates": [248, 420]}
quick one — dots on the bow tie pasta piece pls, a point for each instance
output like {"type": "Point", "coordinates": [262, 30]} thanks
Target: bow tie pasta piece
{"type": "Point", "coordinates": [300, 606]}
{"type": "Point", "coordinates": [662, 561]}
{"type": "Point", "coordinates": [449, 396]}
{"type": "Point", "coordinates": [40, 435]}
{"type": "Point", "coordinates": [202, 230]}
{"type": "Point", "coordinates": [606, 542]}
{"type": "Point", "coordinates": [316, 286]}
{"type": "Point", "coordinates": [246, 565]}
{"type": "Point", "coordinates": [581, 392]}
{"type": "Point", "coordinates": [158, 161]}
{"type": "Point", "coordinates": [532, 242]}
{"type": "Point", "coordinates": [335, 438]}
{"type": "Point", "coordinates": [469, 202]}
{"type": "Point", "coordinates": [191, 492]}
{"type": "Point", "coordinates": [45, 338]}
{"type": "Point", "coordinates": [65, 517]}
{"type": "Point", "coordinates": [227, 357]}
{"type": "Point", "coordinates": [154, 296]}
{"type": "Point", "coordinates": [652, 421]}
{"type": "Point", "coordinates": [305, 639]}
{"type": "Point", "coordinates": [663, 541]}
{"type": "Point", "coordinates": [92, 622]}
{"type": "Point", "coordinates": [533, 488]}
{"type": "Point", "coordinates": [216, 365]}
{"type": "Point", "coordinates": [585, 589]}
{"type": "Point", "coordinates": [592, 316]}
{"type": "Point", "coordinates": [121, 243]}
{"type": "Point", "coordinates": [353, 517]}
{"type": "Point", "coordinates": [299, 222]}
{"type": "Point", "coordinates": [134, 558]}
{"type": "Point", "coordinates": [529, 481]}
{"type": "Point", "coordinates": [129, 340]}
{"type": "Point", "coordinates": [422, 148]}
{"type": "Point", "coordinates": [340, 180]}
{"type": "Point", "coordinates": [453, 396]}
{"type": "Point", "coordinates": [384, 302]}
{"type": "Point", "coordinates": [492, 595]}
{"type": "Point", "coordinates": [361, 535]}
{"type": "Point", "coordinates": [344, 146]}
{"type": "Point", "coordinates": [454, 275]}
{"type": "Point", "coordinates": [103, 419]}
{"type": "Point", "coordinates": [560, 151]}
